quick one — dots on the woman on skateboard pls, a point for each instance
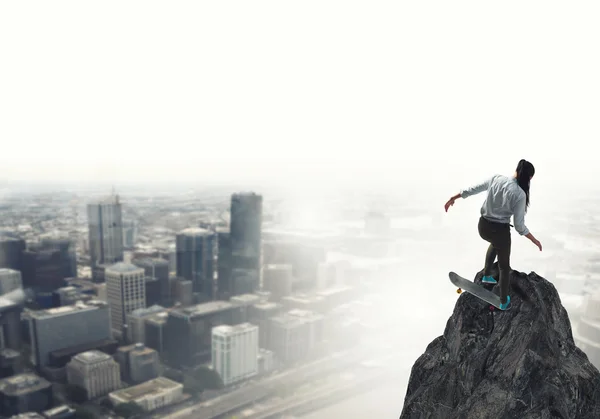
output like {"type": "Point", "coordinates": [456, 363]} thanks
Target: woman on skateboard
{"type": "Point", "coordinates": [506, 197]}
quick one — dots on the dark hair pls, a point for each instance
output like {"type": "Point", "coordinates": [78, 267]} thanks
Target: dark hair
{"type": "Point", "coordinates": [525, 172]}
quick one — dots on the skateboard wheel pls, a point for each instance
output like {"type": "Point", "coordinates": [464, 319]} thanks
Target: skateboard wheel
{"type": "Point", "coordinates": [458, 291]}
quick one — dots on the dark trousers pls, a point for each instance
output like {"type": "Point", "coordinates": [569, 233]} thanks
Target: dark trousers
{"type": "Point", "coordinates": [498, 235]}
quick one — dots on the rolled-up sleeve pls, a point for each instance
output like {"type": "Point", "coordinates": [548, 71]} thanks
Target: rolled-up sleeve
{"type": "Point", "coordinates": [475, 189]}
{"type": "Point", "coordinates": [519, 217]}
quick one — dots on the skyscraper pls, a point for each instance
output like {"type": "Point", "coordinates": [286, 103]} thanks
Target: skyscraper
{"type": "Point", "coordinates": [125, 292]}
{"type": "Point", "coordinates": [224, 287]}
{"type": "Point", "coordinates": [246, 233]}
{"type": "Point", "coordinates": [196, 257]}
{"type": "Point", "coordinates": [43, 268]}
{"type": "Point", "coordinates": [159, 269]}
{"type": "Point", "coordinates": [11, 247]}
{"type": "Point", "coordinates": [67, 250]}
{"type": "Point", "coordinates": [105, 234]}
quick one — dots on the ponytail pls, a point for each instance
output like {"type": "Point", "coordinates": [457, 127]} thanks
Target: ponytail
{"type": "Point", "coordinates": [525, 172]}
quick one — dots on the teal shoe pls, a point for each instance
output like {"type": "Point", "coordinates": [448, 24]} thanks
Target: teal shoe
{"type": "Point", "coordinates": [489, 280]}
{"type": "Point", "coordinates": [506, 305]}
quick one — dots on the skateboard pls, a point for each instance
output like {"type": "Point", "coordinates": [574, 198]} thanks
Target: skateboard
{"type": "Point", "coordinates": [477, 290]}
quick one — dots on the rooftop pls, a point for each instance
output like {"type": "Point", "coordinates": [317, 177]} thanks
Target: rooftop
{"type": "Point", "coordinates": [64, 310]}
{"type": "Point", "coordinates": [267, 306]}
{"type": "Point", "coordinates": [278, 267]}
{"type": "Point", "coordinates": [245, 298]}
{"type": "Point", "coordinates": [23, 383]}
{"type": "Point", "coordinates": [227, 330]}
{"type": "Point", "coordinates": [196, 231]}
{"type": "Point", "coordinates": [148, 311]}
{"type": "Point", "coordinates": [148, 388]}
{"type": "Point", "coordinates": [205, 308]}
{"type": "Point", "coordinates": [91, 357]}
{"type": "Point", "coordinates": [288, 321]}
{"type": "Point", "coordinates": [123, 267]}
{"type": "Point", "coordinates": [305, 314]}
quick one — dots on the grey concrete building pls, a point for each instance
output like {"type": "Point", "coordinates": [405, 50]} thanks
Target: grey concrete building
{"type": "Point", "coordinates": [59, 328]}
{"type": "Point", "coordinates": [94, 371]}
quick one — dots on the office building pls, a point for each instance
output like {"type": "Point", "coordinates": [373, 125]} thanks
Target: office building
{"type": "Point", "coordinates": [260, 315]}
{"type": "Point", "coordinates": [151, 395]}
{"type": "Point", "coordinates": [130, 232]}
{"type": "Point", "coordinates": [278, 279]}
{"type": "Point", "coordinates": [11, 307]}
{"type": "Point", "coordinates": [126, 291]}
{"type": "Point", "coordinates": [10, 280]}
{"type": "Point", "coordinates": [182, 291]}
{"type": "Point", "coordinates": [94, 371]}
{"type": "Point", "coordinates": [224, 286]}
{"type": "Point", "coordinates": [196, 257]}
{"type": "Point", "coordinates": [138, 363]}
{"type": "Point", "coordinates": [64, 327]}
{"type": "Point", "coordinates": [159, 269]}
{"type": "Point", "coordinates": [24, 393]}
{"type": "Point", "coordinates": [154, 336]}
{"type": "Point", "coordinates": [246, 234]}
{"type": "Point", "coordinates": [188, 331]}
{"type": "Point", "coordinates": [136, 320]}
{"type": "Point", "coordinates": [235, 352]}
{"type": "Point", "coordinates": [105, 235]}
{"type": "Point", "coordinates": [244, 281]}
{"type": "Point", "coordinates": [10, 363]}
{"type": "Point", "coordinates": [11, 248]}
{"type": "Point", "coordinates": [294, 335]}
{"type": "Point", "coordinates": [244, 302]}
{"type": "Point", "coordinates": [66, 247]}
{"type": "Point", "coordinates": [43, 268]}
{"type": "Point", "coordinates": [67, 296]}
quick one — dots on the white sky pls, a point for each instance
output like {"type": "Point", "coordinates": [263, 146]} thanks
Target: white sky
{"type": "Point", "coordinates": [280, 90]}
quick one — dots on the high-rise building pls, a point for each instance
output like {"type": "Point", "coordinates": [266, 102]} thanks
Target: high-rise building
{"type": "Point", "coordinates": [157, 268]}
{"type": "Point", "coordinates": [136, 321]}
{"type": "Point", "coordinates": [224, 287]}
{"type": "Point", "coordinates": [105, 234]}
{"type": "Point", "coordinates": [60, 328]}
{"type": "Point", "coordinates": [94, 371]}
{"type": "Point", "coordinates": [246, 233]}
{"type": "Point", "coordinates": [66, 247]}
{"type": "Point", "coordinates": [188, 330]}
{"type": "Point", "coordinates": [10, 280]}
{"type": "Point", "coordinates": [130, 231]}
{"type": "Point", "coordinates": [43, 268]}
{"type": "Point", "coordinates": [138, 363]}
{"type": "Point", "coordinates": [11, 247]}
{"type": "Point", "coordinates": [196, 257]}
{"type": "Point", "coordinates": [278, 279]}
{"type": "Point", "coordinates": [235, 352]}
{"type": "Point", "coordinates": [125, 292]}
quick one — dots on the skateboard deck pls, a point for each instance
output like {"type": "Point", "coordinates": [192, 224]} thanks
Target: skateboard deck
{"type": "Point", "coordinates": [472, 288]}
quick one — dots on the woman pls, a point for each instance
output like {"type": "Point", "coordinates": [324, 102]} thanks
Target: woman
{"type": "Point", "coordinates": [506, 197]}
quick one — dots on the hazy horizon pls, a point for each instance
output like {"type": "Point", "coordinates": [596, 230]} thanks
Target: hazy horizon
{"type": "Point", "coordinates": [344, 92]}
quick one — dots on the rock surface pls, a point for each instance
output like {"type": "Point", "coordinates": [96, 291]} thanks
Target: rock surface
{"type": "Point", "coordinates": [521, 363]}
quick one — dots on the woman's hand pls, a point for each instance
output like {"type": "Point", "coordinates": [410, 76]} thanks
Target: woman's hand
{"type": "Point", "coordinates": [449, 203]}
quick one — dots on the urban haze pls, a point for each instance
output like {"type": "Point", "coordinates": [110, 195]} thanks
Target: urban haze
{"type": "Point", "coordinates": [236, 210]}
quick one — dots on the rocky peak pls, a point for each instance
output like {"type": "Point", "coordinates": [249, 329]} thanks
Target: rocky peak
{"type": "Point", "coordinates": [520, 363]}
